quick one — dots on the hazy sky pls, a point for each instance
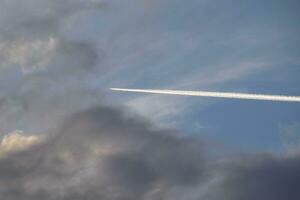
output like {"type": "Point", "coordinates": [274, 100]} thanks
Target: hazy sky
{"type": "Point", "coordinates": [65, 135]}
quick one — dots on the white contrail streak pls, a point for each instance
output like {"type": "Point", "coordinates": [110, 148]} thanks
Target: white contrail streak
{"type": "Point", "coordinates": [216, 94]}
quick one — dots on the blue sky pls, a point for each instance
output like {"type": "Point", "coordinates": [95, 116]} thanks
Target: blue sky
{"type": "Point", "coordinates": [223, 46]}
{"type": "Point", "coordinates": [229, 46]}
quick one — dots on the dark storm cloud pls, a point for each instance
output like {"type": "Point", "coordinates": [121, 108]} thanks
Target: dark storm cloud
{"type": "Point", "coordinates": [103, 153]}
{"type": "Point", "coordinates": [261, 177]}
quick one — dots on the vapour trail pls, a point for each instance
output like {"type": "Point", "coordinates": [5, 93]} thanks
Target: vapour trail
{"type": "Point", "coordinates": [216, 94]}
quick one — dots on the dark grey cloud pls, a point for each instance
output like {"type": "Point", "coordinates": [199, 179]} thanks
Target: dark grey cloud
{"type": "Point", "coordinates": [260, 177]}
{"type": "Point", "coordinates": [34, 25]}
{"type": "Point", "coordinates": [105, 153]}
{"type": "Point", "coordinates": [41, 68]}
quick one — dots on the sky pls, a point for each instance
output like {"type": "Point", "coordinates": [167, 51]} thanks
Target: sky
{"type": "Point", "coordinates": [65, 135]}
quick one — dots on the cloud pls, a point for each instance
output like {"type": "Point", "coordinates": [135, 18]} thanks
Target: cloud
{"type": "Point", "coordinates": [259, 177]}
{"type": "Point", "coordinates": [105, 153]}
{"type": "Point", "coordinates": [33, 19]}
{"type": "Point", "coordinates": [15, 142]}
{"type": "Point", "coordinates": [54, 58]}
{"type": "Point", "coordinates": [290, 137]}
{"type": "Point", "coordinates": [29, 55]}
{"type": "Point", "coordinates": [31, 35]}
{"type": "Point", "coordinates": [39, 63]}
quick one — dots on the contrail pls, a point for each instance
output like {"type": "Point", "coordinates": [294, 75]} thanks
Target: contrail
{"type": "Point", "coordinates": [216, 94]}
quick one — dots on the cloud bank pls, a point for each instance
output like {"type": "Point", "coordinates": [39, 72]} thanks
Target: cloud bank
{"type": "Point", "coordinates": [102, 153]}
{"type": "Point", "coordinates": [105, 153]}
